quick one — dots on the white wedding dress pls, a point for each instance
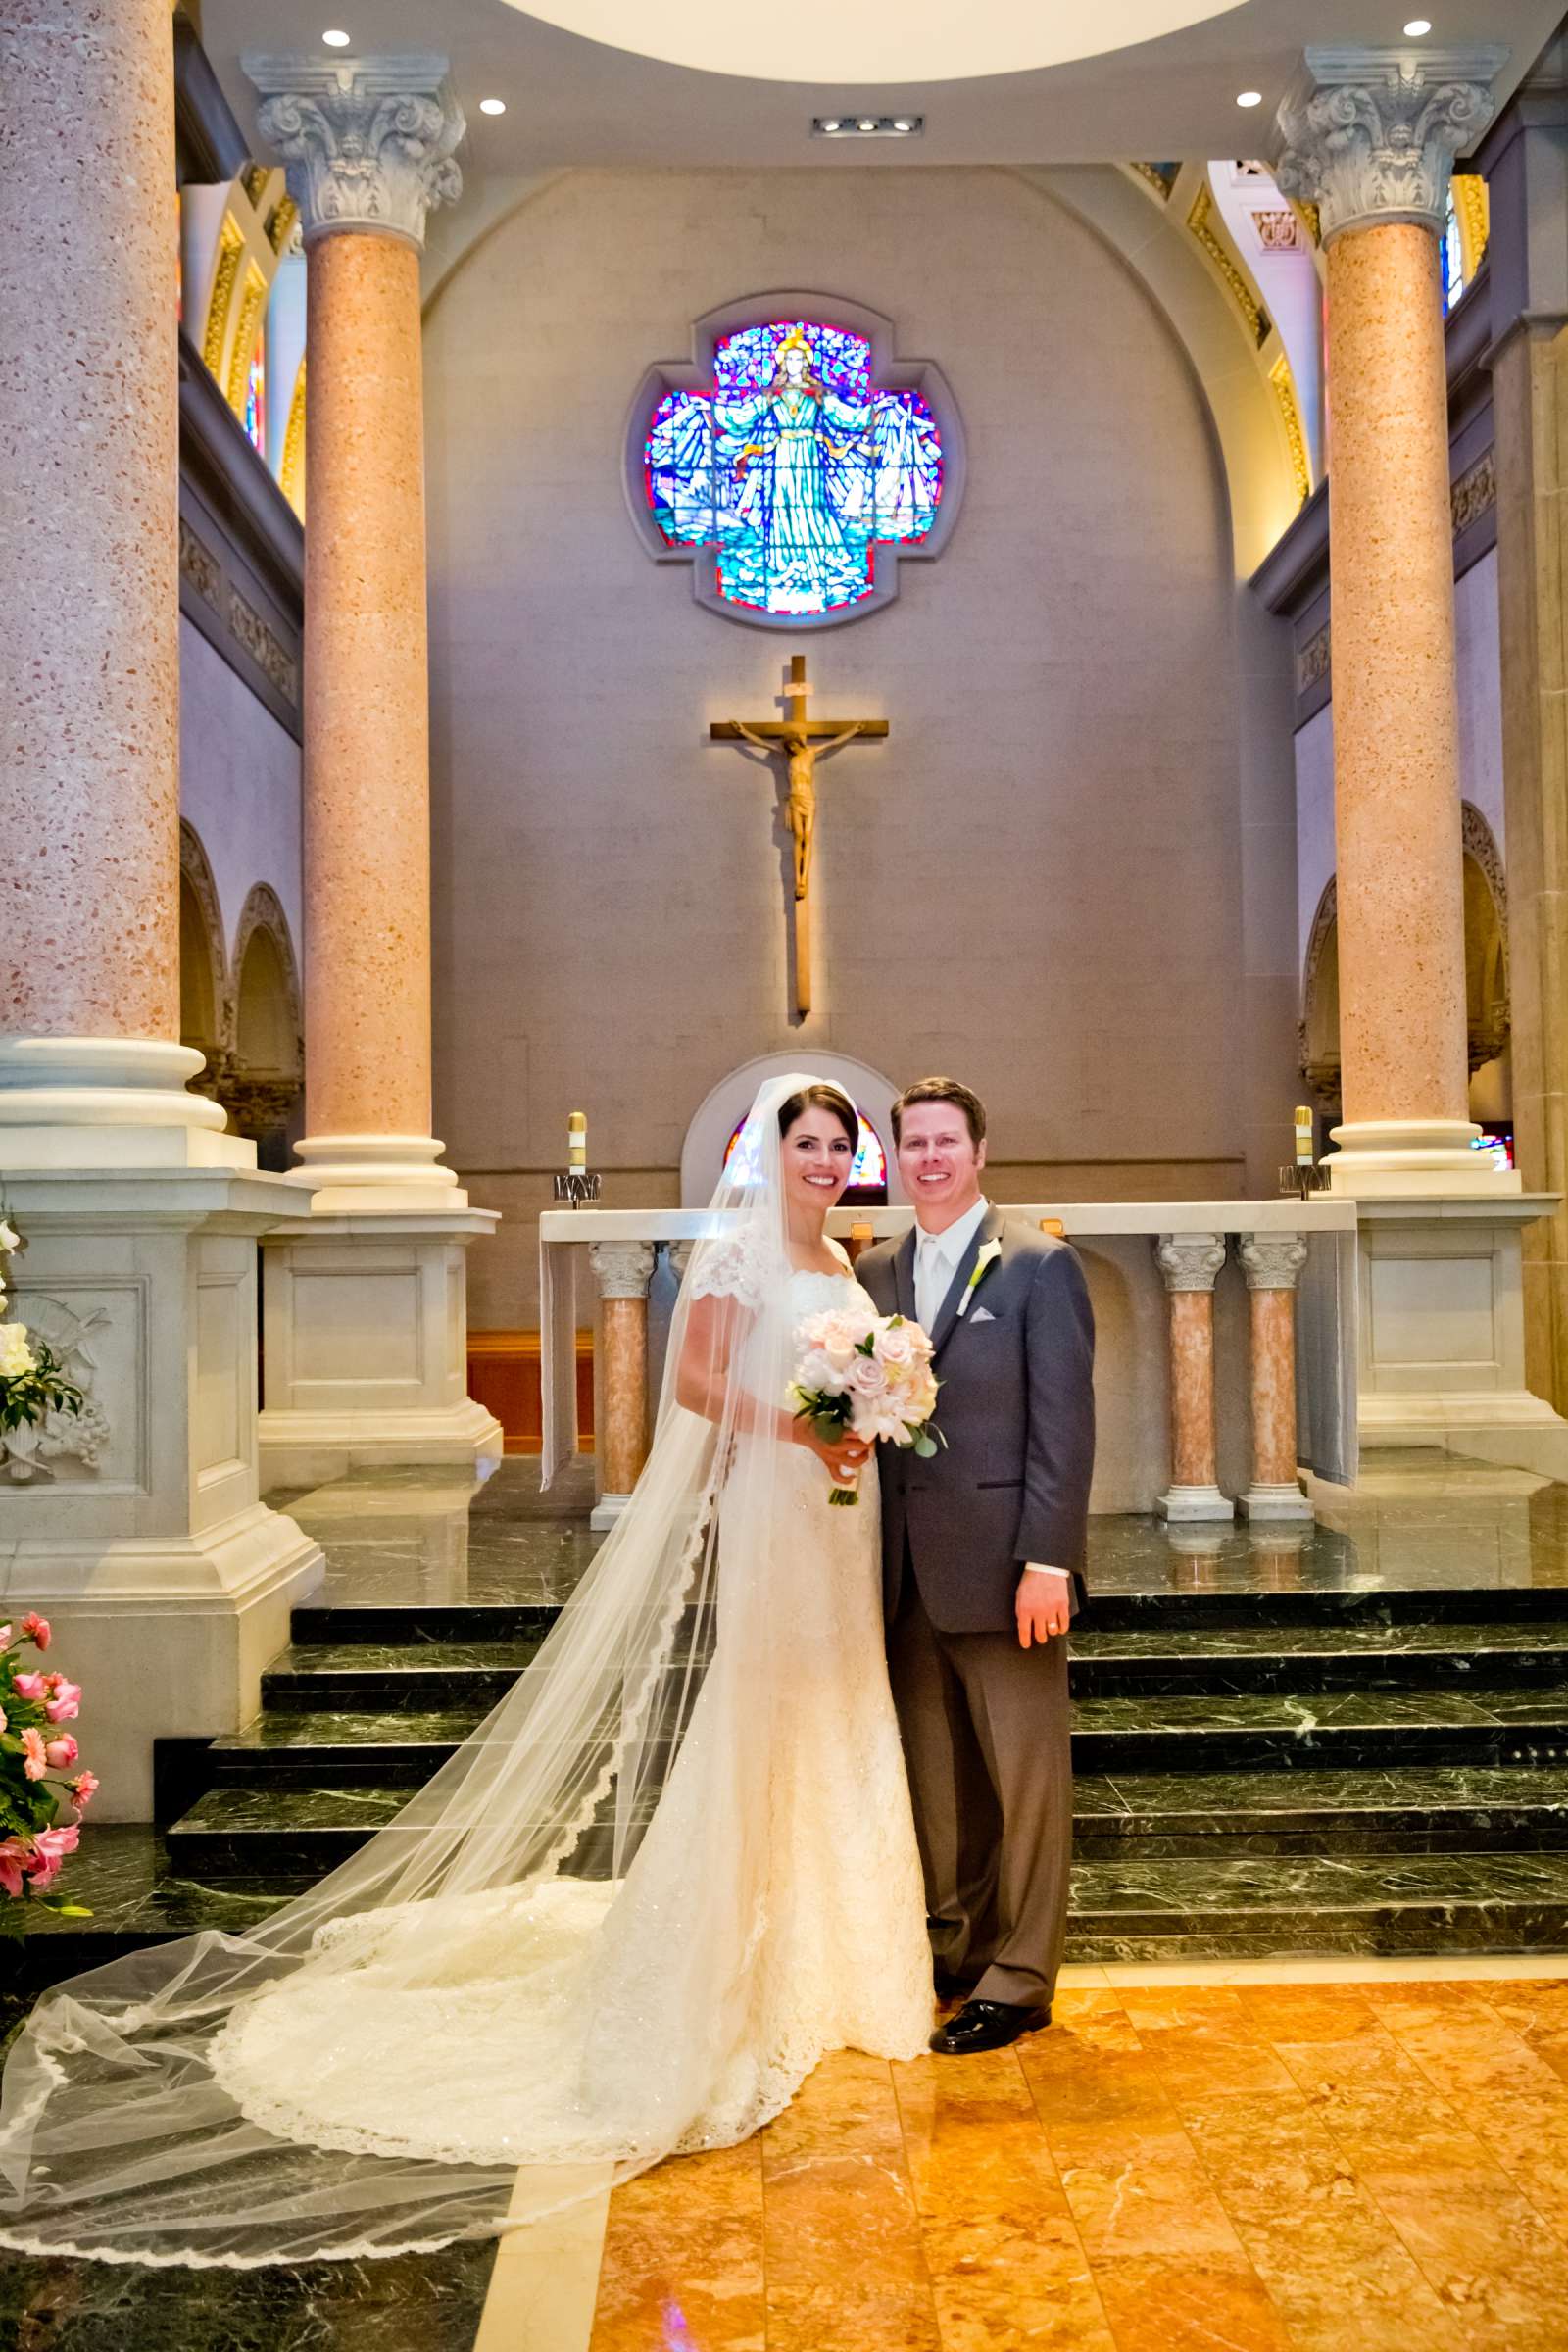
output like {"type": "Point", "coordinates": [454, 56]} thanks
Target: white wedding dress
{"type": "Point", "coordinates": [544, 2021]}
{"type": "Point", "coordinates": [458, 2032]}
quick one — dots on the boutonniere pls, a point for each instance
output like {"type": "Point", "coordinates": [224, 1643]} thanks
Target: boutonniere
{"type": "Point", "coordinates": [982, 1266]}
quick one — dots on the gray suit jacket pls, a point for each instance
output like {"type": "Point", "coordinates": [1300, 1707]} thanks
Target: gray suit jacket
{"type": "Point", "coordinates": [1017, 1410]}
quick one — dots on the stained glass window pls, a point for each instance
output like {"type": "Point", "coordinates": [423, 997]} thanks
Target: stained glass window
{"type": "Point", "coordinates": [794, 468]}
{"type": "Point", "coordinates": [867, 1174]}
{"type": "Point", "coordinates": [1451, 254]}
{"type": "Point", "coordinates": [256, 401]}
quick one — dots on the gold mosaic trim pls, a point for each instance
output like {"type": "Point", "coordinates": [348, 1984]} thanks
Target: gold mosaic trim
{"type": "Point", "coordinates": [1284, 383]}
{"type": "Point", "coordinates": [1471, 205]}
{"type": "Point", "coordinates": [231, 246]}
{"type": "Point", "coordinates": [291, 473]}
{"type": "Point", "coordinates": [1245, 300]}
{"type": "Point", "coordinates": [1475, 492]}
{"type": "Point", "coordinates": [281, 227]}
{"type": "Point", "coordinates": [243, 348]}
{"type": "Point", "coordinates": [1154, 177]}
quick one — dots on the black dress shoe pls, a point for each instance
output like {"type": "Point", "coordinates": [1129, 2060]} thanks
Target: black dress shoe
{"type": "Point", "coordinates": [986, 2026]}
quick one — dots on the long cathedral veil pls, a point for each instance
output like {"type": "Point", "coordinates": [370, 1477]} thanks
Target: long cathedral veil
{"type": "Point", "coordinates": [474, 2021]}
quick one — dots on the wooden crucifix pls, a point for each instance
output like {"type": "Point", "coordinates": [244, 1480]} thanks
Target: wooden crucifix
{"type": "Point", "coordinates": [801, 740]}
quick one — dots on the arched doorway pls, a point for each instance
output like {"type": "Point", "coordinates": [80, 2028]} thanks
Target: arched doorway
{"type": "Point", "coordinates": [713, 1129]}
{"type": "Point", "coordinates": [202, 965]}
{"type": "Point", "coordinates": [266, 1065]}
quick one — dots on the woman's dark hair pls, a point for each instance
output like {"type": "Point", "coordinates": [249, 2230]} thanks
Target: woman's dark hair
{"type": "Point", "coordinates": [821, 1098]}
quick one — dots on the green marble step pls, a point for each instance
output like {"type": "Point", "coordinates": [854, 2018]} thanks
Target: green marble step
{"type": "Point", "coordinates": [1259, 1732]}
{"type": "Point", "coordinates": [254, 1835]}
{"type": "Point", "coordinates": [473, 1675]}
{"type": "Point", "coordinates": [1303, 1904]}
{"type": "Point", "coordinates": [1414, 1809]}
{"type": "Point", "coordinates": [1305, 1659]}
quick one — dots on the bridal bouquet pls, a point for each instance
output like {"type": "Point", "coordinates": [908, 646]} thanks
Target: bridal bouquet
{"type": "Point", "coordinates": [39, 1815]}
{"type": "Point", "coordinates": [868, 1373]}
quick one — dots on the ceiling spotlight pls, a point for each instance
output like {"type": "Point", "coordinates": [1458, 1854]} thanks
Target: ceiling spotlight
{"type": "Point", "coordinates": [492, 106]}
{"type": "Point", "coordinates": [1249, 97]}
{"type": "Point", "coordinates": [904, 123]}
{"type": "Point", "coordinates": [337, 40]}
{"type": "Point", "coordinates": [830, 124]}
{"type": "Point", "coordinates": [867, 122]}
{"type": "Point", "coordinates": [867, 126]}
{"type": "Point", "coordinates": [1416, 28]}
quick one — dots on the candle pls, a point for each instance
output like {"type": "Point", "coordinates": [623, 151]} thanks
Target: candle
{"type": "Point", "coordinates": [577, 1142]}
{"type": "Point", "coordinates": [1304, 1135]}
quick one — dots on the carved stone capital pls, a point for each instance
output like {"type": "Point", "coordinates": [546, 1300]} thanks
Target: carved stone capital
{"type": "Point", "coordinates": [622, 1270]}
{"type": "Point", "coordinates": [1374, 137]}
{"type": "Point", "coordinates": [367, 142]}
{"type": "Point", "coordinates": [679, 1254]}
{"type": "Point", "coordinates": [1189, 1261]}
{"type": "Point", "coordinates": [1272, 1261]}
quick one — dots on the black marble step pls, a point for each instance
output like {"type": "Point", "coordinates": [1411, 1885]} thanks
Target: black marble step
{"type": "Point", "coordinates": [1259, 1732]}
{"type": "Point", "coordinates": [1281, 1905]}
{"type": "Point", "coordinates": [469, 1675]}
{"type": "Point", "coordinates": [1473, 1601]}
{"type": "Point", "coordinates": [1418, 1809]}
{"type": "Point", "coordinates": [1305, 1659]}
{"type": "Point", "coordinates": [426, 1621]}
{"type": "Point", "coordinates": [400, 1749]}
{"type": "Point", "coordinates": [257, 1836]}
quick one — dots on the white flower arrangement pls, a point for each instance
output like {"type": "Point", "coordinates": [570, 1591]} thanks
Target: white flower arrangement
{"type": "Point", "coordinates": [32, 1379]}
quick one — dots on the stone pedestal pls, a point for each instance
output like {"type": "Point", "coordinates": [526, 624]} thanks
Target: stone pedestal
{"type": "Point", "coordinates": [1441, 1338]}
{"type": "Point", "coordinates": [1372, 146]}
{"type": "Point", "coordinates": [1189, 1263]}
{"type": "Point", "coordinates": [1272, 1264]}
{"type": "Point", "coordinates": [623, 1271]}
{"type": "Point", "coordinates": [365, 1345]}
{"type": "Point", "coordinates": [136, 1527]}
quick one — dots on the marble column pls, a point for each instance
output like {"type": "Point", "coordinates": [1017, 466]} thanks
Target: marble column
{"type": "Point", "coordinates": [136, 1527]}
{"type": "Point", "coordinates": [623, 1271]}
{"type": "Point", "coordinates": [1272, 1264]}
{"type": "Point", "coordinates": [1371, 144]}
{"type": "Point", "coordinates": [366, 1317]}
{"type": "Point", "coordinates": [1189, 1263]}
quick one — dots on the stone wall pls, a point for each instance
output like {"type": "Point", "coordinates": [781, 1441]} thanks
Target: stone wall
{"type": "Point", "coordinates": [1036, 882]}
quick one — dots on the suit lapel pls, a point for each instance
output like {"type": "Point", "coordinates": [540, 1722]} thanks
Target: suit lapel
{"type": "Point", "coordinates": [989, 1227]}
{"type": "Point", "coordinates": [904, 1274]}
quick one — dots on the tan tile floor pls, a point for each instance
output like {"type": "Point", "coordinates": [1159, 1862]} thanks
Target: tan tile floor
{"type": "Point", "coordinates": [1258, 2166]}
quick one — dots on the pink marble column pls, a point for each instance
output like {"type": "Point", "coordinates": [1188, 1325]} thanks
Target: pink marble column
{"type": "Point", "coordinates": [623, 1271]}
{"type": "Point", "coordinates": [1189, 1263]}
{"type": "Point", "coordinates": [1372, 148]}
{"type": "Point", "coordinates": [363, 173]}
{"type": "Point", "coordinates": [1272, 1262]}
{"type": "Point", "coordinates": [89, 592]}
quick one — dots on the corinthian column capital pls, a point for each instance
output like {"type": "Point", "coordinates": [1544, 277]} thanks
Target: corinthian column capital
{"type": "Point", "coordinates": [1189, 1261]}
{"type": "Point", "coordinates": [1374, 136]}
{"type": "Point", "coordinates": [366, 141]}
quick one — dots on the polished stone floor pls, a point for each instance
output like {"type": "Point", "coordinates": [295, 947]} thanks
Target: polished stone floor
{"type": "Point", "coordinates": [1287, 2167]}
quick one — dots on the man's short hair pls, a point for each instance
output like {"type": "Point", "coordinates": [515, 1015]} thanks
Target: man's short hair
{"type": "Point", "coordinates": [943, 1089]}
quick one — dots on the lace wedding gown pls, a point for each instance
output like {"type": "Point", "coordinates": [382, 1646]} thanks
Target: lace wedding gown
{"type": "Point", "coordinates": [458, 2031]}
{"type": "Point", "coordinates": [543, 2020]}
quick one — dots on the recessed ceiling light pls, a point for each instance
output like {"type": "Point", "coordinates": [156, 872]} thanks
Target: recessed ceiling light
{"type": "Point", "coordinates": [904, 123]}
{"type": "Point", "coordinates": [867, 126]}
{"type": "Point", "coordinates": [831, 123]}
{"type": "Point", "coordinates": [867, 122]}
{"type": "Point", "coordinates": [492, 106]}
{"type": "Point", "coordinates": [337, 40]}
{"type": "Point", "coordinates": [1249, 97]}
{"type": "Point", "coordinates": [1416, 28]}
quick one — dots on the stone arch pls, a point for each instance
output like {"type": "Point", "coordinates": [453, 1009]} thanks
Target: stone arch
{"type": "Point", "coordinates": [723, 1109]}
{"type": "Point", "coordinates": [204, 989]}
{"type": "Point", "coordinates": [267, 1059]}
{"type": "Point", "coordinates": [1488, 1017]}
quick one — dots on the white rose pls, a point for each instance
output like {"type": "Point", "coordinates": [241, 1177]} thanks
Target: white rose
{"type": "Point", "coordinates": [16, 1356]}
{"type": "Point", "coordinates": [866, 1377]}
{"type": "Point", "coordinates": [10, 1239]}
{"type": "Point", "coordinates": [895, 1344]}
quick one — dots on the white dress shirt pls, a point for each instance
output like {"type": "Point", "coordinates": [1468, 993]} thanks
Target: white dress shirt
{"type": "Point", "coordinates": [937, 1258]}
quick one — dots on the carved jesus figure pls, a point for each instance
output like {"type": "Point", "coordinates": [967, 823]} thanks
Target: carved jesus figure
{"type": "Point", "coordinates": [801, 808]}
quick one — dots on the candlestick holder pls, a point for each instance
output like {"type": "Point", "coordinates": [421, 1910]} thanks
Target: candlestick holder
{"type": "Point", "coordinates": [577, 1187]}
{"type": "Point", "coordinates": [1302, 1182]}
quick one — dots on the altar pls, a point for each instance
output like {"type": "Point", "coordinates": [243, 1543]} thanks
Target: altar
{"type": "Point", "coordinates": [1225, 1360]}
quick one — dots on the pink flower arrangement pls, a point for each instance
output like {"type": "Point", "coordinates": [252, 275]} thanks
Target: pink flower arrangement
{"type": "Point", "coordinates": [39, 1813]}
{"type": "Point", "coordinates": [867, 1373]}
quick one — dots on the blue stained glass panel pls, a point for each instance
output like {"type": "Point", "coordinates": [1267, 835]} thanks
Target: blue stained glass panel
{"type": "Point", "coordinates": [868, 1170]}
{"type": "Point", "coordinates": [794, 468]}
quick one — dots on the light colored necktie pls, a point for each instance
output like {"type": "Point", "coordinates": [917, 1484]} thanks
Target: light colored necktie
{"type": "Point", "coordinates": [930, 1284]}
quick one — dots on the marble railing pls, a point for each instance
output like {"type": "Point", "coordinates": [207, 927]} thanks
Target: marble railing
{"type": "Point", "coordinates": [1226, 1353]}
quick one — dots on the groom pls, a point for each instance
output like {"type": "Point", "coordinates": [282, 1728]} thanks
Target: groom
{"type": "Point", "coordinates": [982, 1559]}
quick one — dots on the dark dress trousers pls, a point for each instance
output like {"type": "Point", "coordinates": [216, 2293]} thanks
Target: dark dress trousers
{"type": "Point", "coordinates": [985, 1722]}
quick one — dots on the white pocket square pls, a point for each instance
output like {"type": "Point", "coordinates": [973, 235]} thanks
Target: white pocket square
{"type": "Point", "coordinates": [981, 1314]}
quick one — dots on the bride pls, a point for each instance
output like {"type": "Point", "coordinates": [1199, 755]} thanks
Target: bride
{"type": "Point", "coordinates": [674, 1868]}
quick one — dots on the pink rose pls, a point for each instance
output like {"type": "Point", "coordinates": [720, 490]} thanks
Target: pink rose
{"type": "Point", "coordinates": [84, 1788]}
{"type": "Point", "coordinates": [894, 1344]}
{"type": "Point", "coordinates": [65, 1703]}
{"type": "Point", "coordinates": [55, 1844]}
{"type": "Point", "coordinates": [37, 1629]}
{"type": "Point", "coordinates": [867, 1378]}
{"type": "Point", "coordinates": [34, 1758]}
{"type": "Point", "coordinates": [4, 1637]}
{"type": "Point", "coordinates": [28, 1686]}
{"type": "Point", "coordinates": [61, 1752]}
